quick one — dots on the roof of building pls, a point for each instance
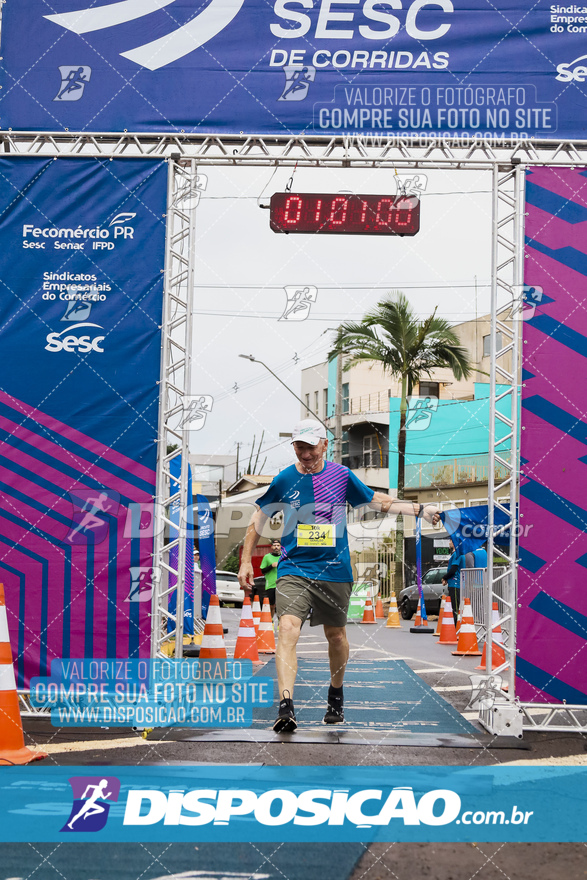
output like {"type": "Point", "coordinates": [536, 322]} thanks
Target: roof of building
{"type": "Point", "coordinates": [240, 498]}
{"type": "Point", "coordinates": [255, 479]}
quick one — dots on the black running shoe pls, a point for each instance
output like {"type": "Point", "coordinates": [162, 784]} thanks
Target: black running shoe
{"type": "Point", "coordinates": [333, 715]}
{"type": "Point", "coordinates": [334, 710]}
{"type": "Point", "coordinates": [286, 719]}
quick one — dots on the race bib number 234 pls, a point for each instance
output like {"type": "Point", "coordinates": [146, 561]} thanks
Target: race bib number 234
{"type": "Point", "coordinates": [316, 535]}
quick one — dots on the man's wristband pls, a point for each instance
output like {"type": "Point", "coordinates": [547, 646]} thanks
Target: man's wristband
{"type": "Point", "coordinates": [420, 511]}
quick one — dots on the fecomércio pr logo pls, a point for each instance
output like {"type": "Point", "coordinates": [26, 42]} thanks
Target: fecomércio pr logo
{"type": "Point", "coordinates": [91, 797]}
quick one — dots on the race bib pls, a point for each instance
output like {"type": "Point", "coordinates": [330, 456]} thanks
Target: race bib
{"type": "Point", "coordinates": [317, 535]}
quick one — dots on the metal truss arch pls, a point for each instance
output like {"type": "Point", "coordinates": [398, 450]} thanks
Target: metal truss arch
{"type": "Point", "coordinates": [187, 155]}
{"type": "Point", "coordinates": [358, 151]}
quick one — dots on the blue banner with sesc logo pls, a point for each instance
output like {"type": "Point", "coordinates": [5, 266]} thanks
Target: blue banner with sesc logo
{"type": "Point", "coordinates": [506, 69]}
{"type": "Point", "coordinates": [82, 249]}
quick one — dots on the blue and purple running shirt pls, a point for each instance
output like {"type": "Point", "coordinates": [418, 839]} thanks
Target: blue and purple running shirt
{"type": "Point", "coordinates": [315, 500]}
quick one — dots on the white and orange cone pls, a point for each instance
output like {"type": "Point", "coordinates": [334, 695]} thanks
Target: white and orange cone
{"type": "Point", "coordinates": [418, 620]}
{"type": "Point", "coordinates": [459, 616]}
{"type": "Point", "coordinates": [497, 649]}
{"type": "Point", "coordinates": [256, 612]}
{"type": "Point", "coordinates": [393, 615]}
{"type": "Point", "coordinates": [12, 747]}
{"type": "Point", "coordinates": [368, 614]}
{"type": "Point", "coordinates": [467, 636]}
{"type": "Point", "coordinates": [213, 647]}
{"type": "Point", "coordinates": [265, 635]}
{"type": "Point", "coordinates": [379, 613]}
{"type": "Point", "coordinates": [440, 614]}
{"type": "Point", "coordinates": [246, 640]}
{"type": "Point", "coordinates": [448, 633]}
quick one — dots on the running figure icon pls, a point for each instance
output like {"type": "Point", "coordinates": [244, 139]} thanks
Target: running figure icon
{"type": "Point", "coordinates": [73, 82]}
{"type": "Point", "coordinates": [91, 807]}
{"type": "Point", "coordinates": [101, 504]}
{"type": "Point", "coordinates": [297, 82]}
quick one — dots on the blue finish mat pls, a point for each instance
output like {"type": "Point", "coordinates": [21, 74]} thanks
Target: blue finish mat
{"type": "Point", "coordinates": [179, 861]}
{"type": "Point", "coordinates": [378, 696]}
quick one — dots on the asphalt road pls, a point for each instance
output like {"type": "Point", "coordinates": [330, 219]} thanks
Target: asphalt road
{"type": "Point", "coordinates": [446, 674]}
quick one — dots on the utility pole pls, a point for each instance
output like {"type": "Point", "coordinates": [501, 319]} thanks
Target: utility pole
{"type": "Point", "coordinates": [249, 357]}
{"type": "Point", "coordinates": [337, 449]}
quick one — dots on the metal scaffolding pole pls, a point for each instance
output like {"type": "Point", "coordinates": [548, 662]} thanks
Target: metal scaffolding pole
{"type": "Point", "coordinates": [176, 357]}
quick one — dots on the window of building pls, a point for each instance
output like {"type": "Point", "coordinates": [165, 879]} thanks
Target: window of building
{"type": "Point", "coordinates": [345, 397]}
{"type": "Point", "coordinates": [316, 402]}
{"type": "Point", "coordinates": [446, 505]}
{"type": "Point", "coordinates": [429, 389]}
{"type": "Point", "coordinates": [371, 455]}
{"type": "Point", "coordinates": [345, 444]}
{"type": "Point", "coordinates": [307, 405]}
{"type": "Point", "coordinates": [326, 403]}
{"type": "Point", "coordinates": [487, 344]}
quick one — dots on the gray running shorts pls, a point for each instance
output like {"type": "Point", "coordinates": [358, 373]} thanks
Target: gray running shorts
{"type": "Point", "coordinates": [326, 602]}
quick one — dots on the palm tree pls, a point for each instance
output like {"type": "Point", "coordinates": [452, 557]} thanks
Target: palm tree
{"type": "Point", "coordinates": [407, 349]}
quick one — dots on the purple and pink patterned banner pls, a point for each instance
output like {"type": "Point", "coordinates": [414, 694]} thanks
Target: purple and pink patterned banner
{"type": "Point", "coordinates": [82, 245]}
{"type": "Point", "coordinates": [551, 662]}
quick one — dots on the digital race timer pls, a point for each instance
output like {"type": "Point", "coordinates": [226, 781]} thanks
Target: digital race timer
{"type": "Point", "coordinates": [340, 213]}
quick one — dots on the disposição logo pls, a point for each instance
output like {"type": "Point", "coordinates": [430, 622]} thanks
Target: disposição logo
{"type": "Point", "coordinates": [91, 795]}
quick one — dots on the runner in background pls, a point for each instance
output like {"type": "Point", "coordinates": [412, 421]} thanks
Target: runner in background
{"type": "Point", "coordinates": [269, 569]}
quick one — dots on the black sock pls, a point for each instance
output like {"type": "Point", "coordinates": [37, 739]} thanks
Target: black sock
{"type": "Point", "coordinates": [335, 695]}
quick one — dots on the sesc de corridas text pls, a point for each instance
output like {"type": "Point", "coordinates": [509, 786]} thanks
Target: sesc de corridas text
{"type": "Point", "coordinates": [419, 20]}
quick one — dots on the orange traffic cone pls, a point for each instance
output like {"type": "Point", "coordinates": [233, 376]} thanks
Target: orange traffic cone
{"type": "Point", "coordinates": [459, 617]}
{"type": "Point", "coordinates": [440, 613]}
{"type": "Point", "coordinates": [256, 612]}
{"type": "Point", "coordinates": [12, 747]}
{"type": "Point", "coordinates": [418, 620]}
{"type": "Point", "coordinates": [393, 615]}
{"type": "Point", "coordinates": [246, 640]}
{"type": "Point", "coordinates": [379, 613]}
{"type": "Point", "coordinates": [448, 633]}
{"type": "Point", "coordinates": [213, 647]}
{"type": "Point", "coordinates": [368, 615]}
{"type": "Point", "coordinates": [467, 637]}
{"type": "Point", "coordinates": [497, 650]}
{"type": "Point", "coordinates": [265, 636]}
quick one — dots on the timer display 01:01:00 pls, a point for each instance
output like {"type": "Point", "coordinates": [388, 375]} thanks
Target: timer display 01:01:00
{"type": "Point", "coordinates": [344, 214]}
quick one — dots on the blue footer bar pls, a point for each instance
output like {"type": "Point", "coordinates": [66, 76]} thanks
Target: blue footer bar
{"type": "Point", "coordinates": [318, 804]}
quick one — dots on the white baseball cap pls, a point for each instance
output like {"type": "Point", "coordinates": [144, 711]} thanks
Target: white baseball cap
{"type": "Point", "coordinates": [309, 431]}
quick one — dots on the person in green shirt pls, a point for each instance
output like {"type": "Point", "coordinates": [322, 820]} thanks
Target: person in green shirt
{"type": "Point", "coordinates": [269, 569]}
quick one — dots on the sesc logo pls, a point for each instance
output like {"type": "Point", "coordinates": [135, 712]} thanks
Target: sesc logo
{"type": "Point", "coordinates": [72, 343]}
{"type": "Point", "coordinates": [568, 72]}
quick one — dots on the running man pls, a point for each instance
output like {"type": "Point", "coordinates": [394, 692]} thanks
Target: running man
{"type": "Point", "coordinates": [299, 80]}
{"type": "Point", "coordinates": [90, 807]}
{"type": "Point", "coordinates": [90, 520]}
{"type": "Point", "coordinates": [314, 574]}
{"type": "Point", "coordinates": [74, 81]}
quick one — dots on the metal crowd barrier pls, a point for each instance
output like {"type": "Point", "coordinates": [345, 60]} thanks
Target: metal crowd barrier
{"type": "Point", "coordinates": [474, 586]}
